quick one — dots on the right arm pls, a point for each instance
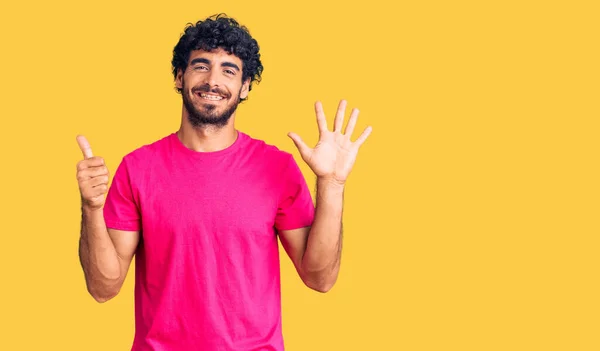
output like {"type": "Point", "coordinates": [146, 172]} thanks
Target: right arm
{"type": "Point", "coordinates": [105, 254]}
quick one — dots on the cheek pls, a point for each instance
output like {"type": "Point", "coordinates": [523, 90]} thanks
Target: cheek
{"type": "Point", "coordinates": [189, 79]}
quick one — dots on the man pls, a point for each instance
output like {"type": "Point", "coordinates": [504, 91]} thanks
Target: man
{"type": "Point", "coordinates": [202, 208]}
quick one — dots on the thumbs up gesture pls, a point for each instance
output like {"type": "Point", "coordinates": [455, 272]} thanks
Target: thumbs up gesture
{"type": "Point", "coordinates": [92, 176]}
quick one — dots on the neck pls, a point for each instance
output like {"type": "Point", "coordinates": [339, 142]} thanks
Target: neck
{"type": "Point", "coordinates": [207, 138]}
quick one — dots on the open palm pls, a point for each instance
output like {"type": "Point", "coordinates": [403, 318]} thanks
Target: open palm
{"type": "Point", "coordinates": [334, 155]}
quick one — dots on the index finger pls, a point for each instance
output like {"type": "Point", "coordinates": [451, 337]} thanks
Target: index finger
{"type": "Point", "coordinates": [84, 146]}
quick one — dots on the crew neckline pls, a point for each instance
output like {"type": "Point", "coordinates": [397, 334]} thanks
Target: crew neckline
{"type": "Point", "coordinates": [192, 153]}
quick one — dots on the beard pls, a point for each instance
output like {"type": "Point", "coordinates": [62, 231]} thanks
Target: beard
{"type": "Point", "coordinates": [208, 115]}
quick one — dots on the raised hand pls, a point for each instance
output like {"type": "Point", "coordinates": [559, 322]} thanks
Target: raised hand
{"type": "Point", "coordinates": [334, 155]}
{"type": "Point", "coordinates": [92, 176]}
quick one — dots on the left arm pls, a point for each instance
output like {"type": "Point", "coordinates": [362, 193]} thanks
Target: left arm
{"type": "Point", "coordinates": [316, 250]}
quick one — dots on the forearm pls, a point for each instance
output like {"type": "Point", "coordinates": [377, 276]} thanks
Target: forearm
{"type": "Point", "coordinates": [321, 260]}
{"type": "Point", "coordinates": [98, 256]}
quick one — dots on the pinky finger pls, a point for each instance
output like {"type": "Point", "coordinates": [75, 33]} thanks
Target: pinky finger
{"type": "Point", "coordinates": [363, 137]}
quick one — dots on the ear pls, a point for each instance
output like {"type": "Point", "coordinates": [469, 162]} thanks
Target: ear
{"type": "Point", "coordinates": [179, 79]}
{"type": "Point", "coordinates": [245, 89]}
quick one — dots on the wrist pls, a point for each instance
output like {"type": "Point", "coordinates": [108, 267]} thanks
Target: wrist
{"type": "Point", "coordinates": [92, 210]}
{"type": "Point", "coordinates": [331, 182]}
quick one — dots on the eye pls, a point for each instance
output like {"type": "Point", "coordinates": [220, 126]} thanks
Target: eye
{"type": "Point", "coordinates": [199, 68]}
{"type": "Point", "coordinates": [230, 71]}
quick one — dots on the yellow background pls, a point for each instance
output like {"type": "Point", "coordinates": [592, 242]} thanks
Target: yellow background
{"type": "Point", "coordinates": [472, 213]}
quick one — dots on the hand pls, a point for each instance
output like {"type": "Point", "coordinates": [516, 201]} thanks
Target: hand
{"type": "Point", "coordinates": [334, 155]}
{"type": "Point", "coordinates": [92, 176]}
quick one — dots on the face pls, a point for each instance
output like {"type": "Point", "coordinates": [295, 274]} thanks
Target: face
{"type": "Point", "coordinates": [212, 87]}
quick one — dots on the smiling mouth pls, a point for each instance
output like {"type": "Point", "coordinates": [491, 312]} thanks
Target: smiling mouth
{"type": "Point", "coordinates": [210, 97]}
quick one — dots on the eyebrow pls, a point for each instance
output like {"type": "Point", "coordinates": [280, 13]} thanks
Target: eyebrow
{"type": "Point", "coordinates": [207, 61]}
{"type": "Point", "coordinates": [230, 64]}
{"type": "Point", "coordinates": [200, 60]}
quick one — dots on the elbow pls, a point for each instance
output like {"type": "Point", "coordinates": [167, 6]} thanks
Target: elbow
{"type": "Point", "coordinates": [320, 284]}
{"type": "Point", "coordinates": [322, 279]}
{"type": "Point", "coordinates": [322, 288]}
{"type": "Point", "coordinates": [104, 293]}
{"type": "Point", "coordinates": [102, 298]}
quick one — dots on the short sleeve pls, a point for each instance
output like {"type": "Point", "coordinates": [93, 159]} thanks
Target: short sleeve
{"type": "Point", "coordinates": [121, 211]}
{"type": "Point", "coordinates": [296, 208]}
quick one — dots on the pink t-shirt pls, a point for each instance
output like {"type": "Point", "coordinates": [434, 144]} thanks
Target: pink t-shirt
{"type": "Point", "coordinates": [207, 267]}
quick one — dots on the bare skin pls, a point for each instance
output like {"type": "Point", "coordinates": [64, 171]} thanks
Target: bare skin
{"type": "Point", "coordinates": [316, 250]}
{"type": "Point", "coordinates": [105, 254]}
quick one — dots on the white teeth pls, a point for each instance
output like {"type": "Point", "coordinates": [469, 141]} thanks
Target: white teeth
{"type": "Point", "coordinates": [211, 97]}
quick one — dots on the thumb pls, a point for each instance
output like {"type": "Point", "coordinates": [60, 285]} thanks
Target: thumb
{"type": "Point", "coordinates": [302, 147]}
{"type": "Point", "coordinates": [84, 146]}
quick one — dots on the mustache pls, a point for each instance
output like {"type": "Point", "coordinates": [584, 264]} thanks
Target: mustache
{"type": "Point", "coordinates": [205, 88]}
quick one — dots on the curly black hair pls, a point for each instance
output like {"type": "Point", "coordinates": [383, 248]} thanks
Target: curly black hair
{"type": "Point", "coordinates": [219, 31]}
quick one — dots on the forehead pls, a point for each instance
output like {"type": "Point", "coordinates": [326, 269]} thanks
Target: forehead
{"type": "Point", "coordinates": [215, 56]}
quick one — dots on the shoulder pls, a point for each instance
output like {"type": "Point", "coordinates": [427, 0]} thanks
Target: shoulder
{"type": "Point", "coordinates": [147, 152]}
{"type": "Point", "coordinates": [268, 152]}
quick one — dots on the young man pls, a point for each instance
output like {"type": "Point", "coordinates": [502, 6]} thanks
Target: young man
{"type": "Point", "coordinates": [202, 208]}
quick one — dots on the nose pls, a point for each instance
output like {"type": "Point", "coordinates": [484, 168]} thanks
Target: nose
{"type": "Point", "coordinates": [212, 78]}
